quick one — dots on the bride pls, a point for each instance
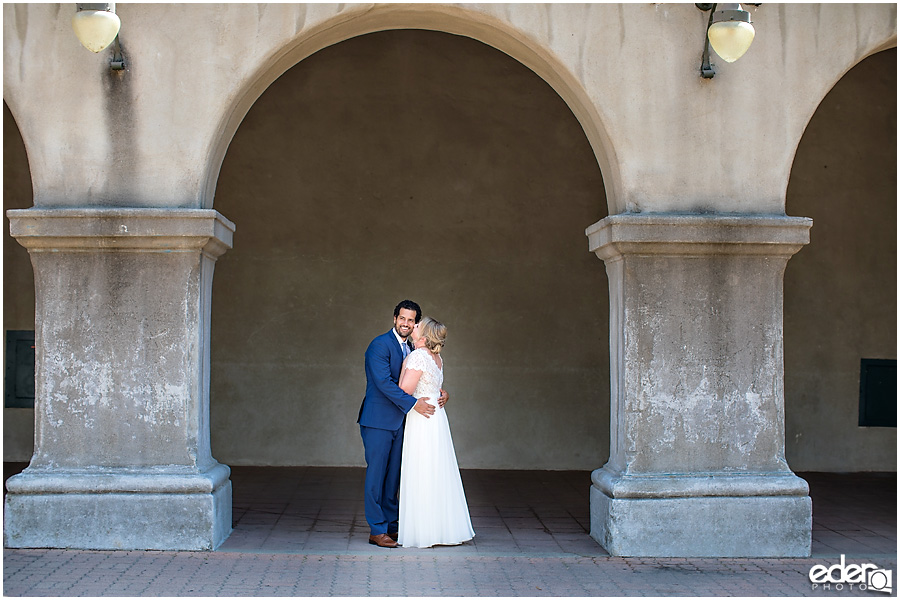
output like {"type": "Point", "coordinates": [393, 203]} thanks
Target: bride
{"type": "Point", "coordinates": [433, 509]}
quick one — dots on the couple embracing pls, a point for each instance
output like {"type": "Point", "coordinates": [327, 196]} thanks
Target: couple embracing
{"type": "Point", "coordinates": [413, 492]}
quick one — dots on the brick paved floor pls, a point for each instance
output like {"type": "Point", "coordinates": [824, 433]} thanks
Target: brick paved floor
{"type": "Point", "coordinates": [301, 532]}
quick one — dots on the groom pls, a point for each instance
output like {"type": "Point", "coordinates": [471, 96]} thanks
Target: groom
{"type": "Point", "coordinates": [381, 420]}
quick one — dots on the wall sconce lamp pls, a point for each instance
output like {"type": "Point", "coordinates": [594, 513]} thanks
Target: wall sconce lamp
{"type": "Point", "coordinates": [729, 31]}
{"type": "Point", "coordinates": [97, 26]}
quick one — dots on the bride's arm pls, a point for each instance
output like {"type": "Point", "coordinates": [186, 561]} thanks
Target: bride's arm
{"type": "Point", "coordinates": [409, 378]}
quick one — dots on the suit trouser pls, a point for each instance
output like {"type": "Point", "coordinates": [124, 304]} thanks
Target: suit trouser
{"type": "Point", "coordinates": [383, 452]}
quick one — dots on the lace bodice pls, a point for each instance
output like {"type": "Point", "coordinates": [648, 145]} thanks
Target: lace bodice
{"type": "Point", "coordinates": [429, 385]}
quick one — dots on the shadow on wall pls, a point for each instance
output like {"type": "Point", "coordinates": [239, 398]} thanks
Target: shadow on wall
{"type": "Point", "coordinates": [18, 280]}
{"type": "Point", "coordinates": [840, 298]}
{"type": "Point", "coordinates": [422, 165]}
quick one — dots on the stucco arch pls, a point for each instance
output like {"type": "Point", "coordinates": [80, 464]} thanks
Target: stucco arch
{"type": "Point", "coordinates": [318, 170]}
{"type": "Point", "coordinates": [361, 19]}
{"type": "Point", "coordinates": [663, 137]}
{"type": "Point", "coordinates": [12, 107]}
{"type": "Point", "coordinates": [815, 88]}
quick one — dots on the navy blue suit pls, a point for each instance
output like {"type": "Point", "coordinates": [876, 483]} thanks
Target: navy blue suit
{"type": "Point", "coordinates": [381, 419]}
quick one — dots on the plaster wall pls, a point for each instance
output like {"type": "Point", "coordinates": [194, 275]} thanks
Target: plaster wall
{"type": "Point", "coordinates": [423, 165]}
{"type": "Point", "coordinates": [18, 282]}
{"type": "Point", "coordinates": [841, 291]}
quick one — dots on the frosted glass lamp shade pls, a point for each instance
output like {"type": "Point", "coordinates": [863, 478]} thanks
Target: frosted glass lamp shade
{"type": "Point", "coordinates": [731, 39]}
{"type": "Point", "coordinates": [96, 29]}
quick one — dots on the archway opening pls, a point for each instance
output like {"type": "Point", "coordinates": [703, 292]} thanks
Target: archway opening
{"type": "Point", "coordinates": [840, 299]}
{"type": "Point", "coordinates": [411, 163]}
{"type": "Point", "coordinates": [18, 297]}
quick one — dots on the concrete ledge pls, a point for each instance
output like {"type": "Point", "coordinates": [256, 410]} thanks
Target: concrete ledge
{"type": "Point", "coordinates": [135, 229]}
{"type": "Point", "coordinates": [161, 480]}
{"type": "Point", "coordinates": [761, 526]}
{"type": "Point", "coordinates": [698, 235]}
{"type": "Point", "coordinates": [694, 485]}
{"type": "Point", "coordinates": [53, 511]}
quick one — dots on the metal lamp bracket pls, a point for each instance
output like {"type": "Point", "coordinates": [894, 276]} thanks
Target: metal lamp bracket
{"type": "Point", "coordinates": [707, 71]}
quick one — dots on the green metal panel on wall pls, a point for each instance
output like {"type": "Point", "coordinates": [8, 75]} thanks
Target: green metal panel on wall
{"type": "Point", "coordinates": [19, 369]}
{"type": "Point", "coordinates": [878, 393]}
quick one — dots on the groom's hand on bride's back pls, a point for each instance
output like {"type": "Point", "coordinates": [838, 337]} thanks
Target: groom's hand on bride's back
{"type": "Point", "coordinates": [423, 408]}
{"type": "Point", "coordinates": [445, 395]}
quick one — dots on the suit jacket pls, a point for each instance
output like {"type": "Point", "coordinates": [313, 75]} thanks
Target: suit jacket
{"type": "Point", "coordinates": [385, 404]}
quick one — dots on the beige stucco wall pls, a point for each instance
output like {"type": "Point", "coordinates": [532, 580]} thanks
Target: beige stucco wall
{"type": "Point", "coordinates": [177, 108]}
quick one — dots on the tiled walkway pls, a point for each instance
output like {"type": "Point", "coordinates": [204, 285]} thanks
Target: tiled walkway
{"type": "Point", "coordinates": [301, 532]}
{"type": "Point", "coordinates": [309, 509]}
{"type": "Point", "coordinates": [313, 509]}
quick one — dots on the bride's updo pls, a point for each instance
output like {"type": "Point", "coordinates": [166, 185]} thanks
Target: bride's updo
{"type": "Point", "coordinates": [434, 333]}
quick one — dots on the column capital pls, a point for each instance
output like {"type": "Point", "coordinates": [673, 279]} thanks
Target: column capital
{"type": "Point", "coordinates": [121, 229]}
{"type": "Point", "coordinates": [697, 235]}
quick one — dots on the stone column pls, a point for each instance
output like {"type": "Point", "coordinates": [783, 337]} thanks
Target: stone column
{"type": "Point", "coordinates": [122, 454]}
{"type": "Point", "coordinates": [697, 463]}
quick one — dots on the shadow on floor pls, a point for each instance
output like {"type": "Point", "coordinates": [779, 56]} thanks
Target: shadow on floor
{"type": "Point", "coordinates": [319, 510]}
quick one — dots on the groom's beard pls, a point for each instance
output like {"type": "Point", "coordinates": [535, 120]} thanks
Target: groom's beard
{"type": "Point", "coordinates": [401, 334]}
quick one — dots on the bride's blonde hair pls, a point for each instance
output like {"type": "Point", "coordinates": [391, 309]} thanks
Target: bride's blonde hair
{"type": "Point", "coordinates": [434, 333]}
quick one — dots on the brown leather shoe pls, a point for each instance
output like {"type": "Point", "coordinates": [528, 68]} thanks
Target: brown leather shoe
{"type": "Point", "coordinates": [393, 535]}
{"type": "Point", "coordinates": [382, 540]}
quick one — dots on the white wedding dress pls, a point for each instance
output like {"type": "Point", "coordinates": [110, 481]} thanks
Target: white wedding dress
{"type": "Point", "coordinates": [433, 509]}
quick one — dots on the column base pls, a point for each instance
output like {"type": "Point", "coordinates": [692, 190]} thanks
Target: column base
{"type": "Point", "coordinates": [150, 509]}
{"type": "Point", "coordinates": [752, 515]}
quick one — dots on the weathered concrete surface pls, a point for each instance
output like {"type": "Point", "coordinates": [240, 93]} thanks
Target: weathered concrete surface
{"type": "Point", "coordinates": [779, 526]}
{"type": "Point", "coordinates": [697, 420]}
{"type": "Point", "coordinates": [127, 509]}
{"type": "Point", "coordinates": [122, 352]}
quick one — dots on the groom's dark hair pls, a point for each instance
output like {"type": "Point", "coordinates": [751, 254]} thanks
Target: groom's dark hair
{"type": "Point", "coordinates": [408, 305]}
